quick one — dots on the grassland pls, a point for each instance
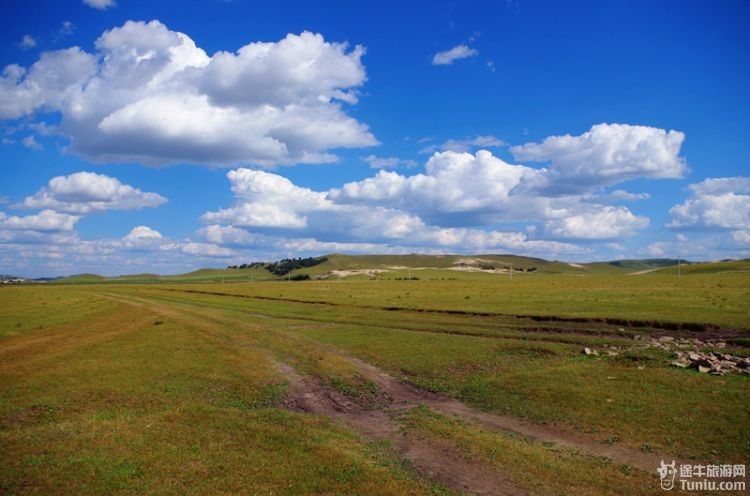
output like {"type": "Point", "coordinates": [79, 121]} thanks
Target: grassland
{"type": "Point", "coordinates": [374, 386]}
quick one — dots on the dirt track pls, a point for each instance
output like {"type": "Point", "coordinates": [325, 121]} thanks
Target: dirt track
{"type": "Point", "coordinates": [436, 461]}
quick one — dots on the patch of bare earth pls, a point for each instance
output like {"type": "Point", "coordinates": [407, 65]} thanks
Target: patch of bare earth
{"type": "Point", "coordinates": [438, 462]}
{"type": "Point", "coordinates": [408, 396]}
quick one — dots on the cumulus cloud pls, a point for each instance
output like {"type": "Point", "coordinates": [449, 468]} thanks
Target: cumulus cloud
{"type": "Point", "coordinates": [31, 143]}
{"type": "Point", "coordinates": [605, 223]}
{"type": "Point", "coordinates": [622, 195]}
{"type": "Point", "coordinates": [458, 52]}
{"type": "Point", "coordinates": [452, 182]}
{"type": "Point", "coordinates": [388, 162]}
{"type": "Point", "coordinates": [52, 81]}
{"type": "Point", "coordinates": [607, 154]}
{"type": "Point", "coordinates": [66, 28]}
{"type": "Point", "coordinates": [142, 237]}
{"type": "Point", "coordinates": [286, 213]}
{"type": "Point", "coordinates": [27, 42]}
{"type": "Point", "coordinates": [464, 145]}
{"type": "Point", "coordinates": [46, 220]}
{"type": "Point", "coordinates": [100, 4]}
{"type": "Point", "coordinates": [714, 203]}
{"type": "Point", "coordinates": [87, 192]}
{"type": "Point", "coordinates": [201, 249]}
{"type": "Point", "coordinates": [150, 95]}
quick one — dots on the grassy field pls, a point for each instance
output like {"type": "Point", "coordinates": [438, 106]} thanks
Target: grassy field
{"type": "Point", "coordinates": [377, 386]}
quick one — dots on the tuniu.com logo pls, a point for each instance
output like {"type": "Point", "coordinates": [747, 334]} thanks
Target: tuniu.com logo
{"type": "Point", "coordinates": [701, 477]}
{"type": "Point", "coordinates": [667, 474]}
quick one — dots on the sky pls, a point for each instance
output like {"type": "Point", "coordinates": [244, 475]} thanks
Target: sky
{"type": "Point", "coordinates": [141, 136]}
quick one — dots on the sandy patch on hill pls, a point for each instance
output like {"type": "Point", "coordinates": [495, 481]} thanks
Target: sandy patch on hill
{"type": "Point", "coordinates": [469, 268]}
{"type": "Point", "coordinates": [356, 272]}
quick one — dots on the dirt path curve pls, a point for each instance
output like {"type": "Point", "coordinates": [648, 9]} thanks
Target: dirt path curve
{"type": "Point", "coordinates": [438, 462]}
{"type": "Point", "coordinates": [409, 396]}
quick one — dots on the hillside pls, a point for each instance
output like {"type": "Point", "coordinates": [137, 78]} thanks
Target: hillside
{"type": "Point", "coordinates": [420, 266]}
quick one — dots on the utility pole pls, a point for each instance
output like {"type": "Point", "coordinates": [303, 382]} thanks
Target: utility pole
{"type": "Point", "coordinates": [410, 273]}
{"type": "Point", "coordinates": [679, 271]}
{"type": "Point", "coordinates": [511, 271]}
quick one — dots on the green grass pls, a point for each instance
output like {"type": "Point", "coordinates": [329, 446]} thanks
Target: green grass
{"type": "Point", "coordinates": [540, 469]}
{"type": "Point", "coordinates": [124, 404]}
{"type": "Point", "coordinates": [717, 298]}
{"type": "Point", "coordinates": [169, 389]}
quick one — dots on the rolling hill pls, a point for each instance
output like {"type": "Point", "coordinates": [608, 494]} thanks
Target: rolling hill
{"type": "Point", "coordinates": [421, 266]}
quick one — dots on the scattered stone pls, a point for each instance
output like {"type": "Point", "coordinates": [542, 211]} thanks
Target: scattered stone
{"type": "Point", "coordinates": [590, 352]}
{"type": "Point", "coordinates": [665, 339]}
{"type": "Point", "coordinates": [711, 362]}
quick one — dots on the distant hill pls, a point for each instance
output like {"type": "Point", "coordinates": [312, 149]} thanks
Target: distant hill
{"type": "Point", "coordinates": [648, 263]}
{"type": "Point", "coordinates": [335, 266]}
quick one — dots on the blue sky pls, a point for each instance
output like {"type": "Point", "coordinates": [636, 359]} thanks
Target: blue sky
{"type": "Point", "coordinates": [165, 136]}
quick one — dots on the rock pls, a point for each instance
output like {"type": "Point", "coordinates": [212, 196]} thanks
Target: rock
{"type": "Point", "coordinates": [694, 357]}
{"type": "Point", "coordinates": [682, 363]}
{"type": "Point", "coordinates": [620, 329]}
{"type": "Point", "coordinates": [588, 351]}
{"type": "Point", "coordinates": [665, 339]}
{"type": "Point", "coordinates": [704, 370]}
{"type": "Point", "coordinates": [637, 337]}
{"type": "Point", "coordinates": [720, 344]}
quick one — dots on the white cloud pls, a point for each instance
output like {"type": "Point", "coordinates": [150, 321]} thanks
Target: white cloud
{"type": "Point", "coordinates": [227, 235]}
{"type": "Point", "coordinates": [464, 145]}
{"type": "Point", "coordinates": [66, 28]}
{"type": "Point", "coordinates": [268, 200]}
{"type": "Point", "coordinates": [202, 250]}
{"type": "Point", "coordinates": [622, 195]}
{"type": "Point", "coordinates": [56, 79]}
{"type": "Point", "coordinates": [458, 52]}
{"type": "Point", "coordinates": [715, 203]}
{"type": "Point", "coordinates": [31, 143]}
{"type": "Point", "coordinates": [287, 213]}
{"type": "Point", "coordinates": [100, 4]}
{"type": "Point", "coordinates": [607, 154]}
{"type": "Point", "coordinates": [452, 182]}
{"type": "Point", "coordinates": [142, 237]}
{"type": "Point", "coordinates": [721, 185]}
{"type": "Point", "coordinates": [87, 192]}
{"type": "Point", "coordinates": [27, 42]}
{"type": "Point", "coordinates": [150, 95]}
{"type": "Point", "coordinates": [388, 162]}
{"type": "Point", "coordinates": [46, 220]}
{"type": "Point", "coordinates": [603, 223]}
